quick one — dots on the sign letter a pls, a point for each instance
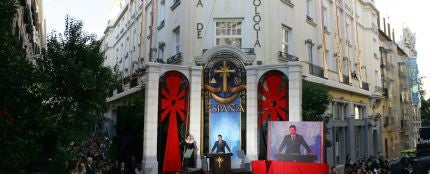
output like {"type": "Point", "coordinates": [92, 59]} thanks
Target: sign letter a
{"type": "Point", "coordinates": [199, 3]}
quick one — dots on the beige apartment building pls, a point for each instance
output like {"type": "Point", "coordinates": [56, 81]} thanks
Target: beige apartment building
{"type": "Point", "coordinates": [411, 95]}
{"type": "Point", "coordinates": [396, 107]}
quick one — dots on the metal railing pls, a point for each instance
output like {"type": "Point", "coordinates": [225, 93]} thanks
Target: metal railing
{"type": "Point", "coordinates": [175, 59]}
{"type": "Point", "coordinates": [386, 92]}
{"type": "Point", "coordinates": [345, 79]}
{"type": "Point", "coordinates": [316, 70]}
{"type": "Point", "coordinates": [365, 86]}
{"type": "Point", "coordinates": [175, 4]}
{"type": "Point", "coordinates": [247, 51]}
{"type": "Point", "coordinates": [119, 88]}
{"type": "Point", "coordinates": [285, 57]}
{"type": "Point", "coordinates": [379, 89]}
{"type": "Point", "coordinates": [310, 19]}
{"type": "Point", "coordinates": [133, 82]}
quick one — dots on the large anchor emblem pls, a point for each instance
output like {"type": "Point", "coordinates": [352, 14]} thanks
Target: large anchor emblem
{"type": "Point", "coordinates": [224, 72]}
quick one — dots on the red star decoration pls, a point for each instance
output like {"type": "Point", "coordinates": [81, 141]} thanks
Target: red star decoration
{"type": "Point", "coordinates": [173, 104]}
{"type": "Point", "coordinates": [274, 98]}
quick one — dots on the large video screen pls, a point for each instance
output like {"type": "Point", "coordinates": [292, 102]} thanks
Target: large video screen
{"type": "Point", "coordinates": [295, 141]}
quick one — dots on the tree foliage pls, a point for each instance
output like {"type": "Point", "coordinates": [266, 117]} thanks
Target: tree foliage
{"type": "Point", "coordinates": [425, 105]}
{"type": "Point", "coordinates": [45, 107]}
{"type": "Point", "coordinates": [20, 109]}
{"type": "Point", "coordinates": [315, 100]}
{"type": "Point", "coordinates": [76, 79]}
{"type": "Point", "coordinates": [425, 112]}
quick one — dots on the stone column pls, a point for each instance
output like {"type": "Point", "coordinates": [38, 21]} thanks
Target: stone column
{"type": "Point", "coordinates": [251, 113]}
{"type": "Point", "coordinates": [295, 91]}
{"type": "Point", "coordinates": [196, 108]}
{"type": "Point", "coordinates": [151, 83]}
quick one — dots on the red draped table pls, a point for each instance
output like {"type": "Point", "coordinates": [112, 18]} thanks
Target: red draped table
{"type": "Point", "coordinates": [275, 167]}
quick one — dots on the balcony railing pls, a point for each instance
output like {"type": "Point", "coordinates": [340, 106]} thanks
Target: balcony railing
{"type": "Point", "coordinates": [133, 82]}
{"type": "Point", "coordinates": [285, 57]}
{"type": "Point", "coordinates": [379, 89]}
{"type": "Point", "coordinates": [386, 92]}
{"type": "Point", "coordinates": [316, 70]}
{"type": "Point", "coordinates": [175, 4]}
{"type": "Point", "coordinates": [310, 19]}
{"type": "Point", "coordinates": [365, 86]}
{"type": "Point", "coordinates": [247, 51]}
{"type": "Point", "coordinates": [345, 79]}
{"type": "Point", "coordinates": [119, 88]}
{"type": "Point", "coordinates": [175, 59]}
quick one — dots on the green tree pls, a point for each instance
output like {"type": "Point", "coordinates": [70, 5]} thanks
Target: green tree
{"type": "Point", "coordinates": [425, 112]}
{"type": "Point", "coordinates": [20, 99]}
{"type": "Point", "coordinates": [315, 100]}
{"type": "Point", "coordinates": [45, 107]}
{"type": "Point", "coordinates": [77, 82]}
{"type": "Point", "coordinates": [425, 105]}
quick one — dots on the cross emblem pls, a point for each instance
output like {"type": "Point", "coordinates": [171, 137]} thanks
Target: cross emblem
{"type": "Point", "coordinates": [224, 72]}
{"type": "Point", "coordinates": [219, 160]}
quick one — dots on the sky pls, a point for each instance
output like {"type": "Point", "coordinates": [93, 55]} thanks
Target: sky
{"type": "Point", "coordinates": [94, 13]}
{"type": "Point", "coordinates": [412, 13]}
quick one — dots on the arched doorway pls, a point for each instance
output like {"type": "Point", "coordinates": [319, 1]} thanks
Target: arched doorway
{"type": "Point", "coordinates": [173, 120]}
{"type": "Point", "coordinates": [224, 101]}
{"type": "Point", "coordinates": [272, 105]}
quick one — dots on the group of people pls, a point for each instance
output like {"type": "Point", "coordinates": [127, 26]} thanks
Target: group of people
{"type": "Point", "coordinates": [93, 153]}
{"type": "Point", "coordinates": [363, 166]}
{"type": "Point", "coordinates": [88, 166]}
{"type": "Point", "coordinates": [93, 158]}
{"type": "Point", "coordinates": [95, 146]}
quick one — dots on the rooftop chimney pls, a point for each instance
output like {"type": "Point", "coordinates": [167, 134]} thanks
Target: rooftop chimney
{"type": "Point", "coordinates": [379, 22]}
{"type": "Point", "coordinates": [384, 26]}
{"type": "Point", "coordinates": [389, 33]}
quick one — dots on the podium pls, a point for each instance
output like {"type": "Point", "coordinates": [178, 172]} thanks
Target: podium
{"type": "Point", "coordinates": [296, 157]}
{"type": "Point", "coordinates": [220, 163]}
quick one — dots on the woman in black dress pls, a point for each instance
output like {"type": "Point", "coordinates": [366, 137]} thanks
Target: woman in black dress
{"type": "Point", "coordinates": [190, 144]}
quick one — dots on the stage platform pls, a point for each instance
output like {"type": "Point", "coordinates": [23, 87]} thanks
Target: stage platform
{"type": "Point", "coordinates": [200, 171]}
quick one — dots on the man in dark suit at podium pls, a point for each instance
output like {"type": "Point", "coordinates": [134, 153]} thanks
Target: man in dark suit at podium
{"type": "Point", "coordinates": [293, 142]}
{"type": "Point", "coordinates": [220, 145]}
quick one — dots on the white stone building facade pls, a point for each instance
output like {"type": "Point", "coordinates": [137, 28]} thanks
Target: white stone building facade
{"type": "Point", "coordinates": [150, 38]}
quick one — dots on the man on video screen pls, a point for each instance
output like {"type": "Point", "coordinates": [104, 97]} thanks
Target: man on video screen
{"type": "Point", "coordinates": [294, 141]}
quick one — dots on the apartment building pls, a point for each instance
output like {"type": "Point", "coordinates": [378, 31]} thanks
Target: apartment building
{"type": "Point", "coordinates": [412, 96]}
{"type": "Point", "coordinates": [29, 28]}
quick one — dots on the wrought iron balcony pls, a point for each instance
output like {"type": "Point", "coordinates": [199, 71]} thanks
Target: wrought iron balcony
{"type": "Point", "coordinates": [247, 51]}
{"type": "Point", "coordinates": [345, 79]}
{"type": "Point", "coordinates": [365, 86]}
{"type": "Point", "coordinates": [316, 70]}
{"type": "Point", "coordinates": [285, 57]}
{"type": "Point", "coordinates": [175, 59]}
{"type": "Point", "coordinates": [133, 82]}
{"type": "Point", "coordinates": [119, 88]}
{"type": "Point", "coordinates": [379, 89]}
{"type": "Point", "coordinates": [175, 4]}
{"type": "Point", "coordinates": [310, 19]}
{"type": "Point", "coordinates": [386, 92]}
